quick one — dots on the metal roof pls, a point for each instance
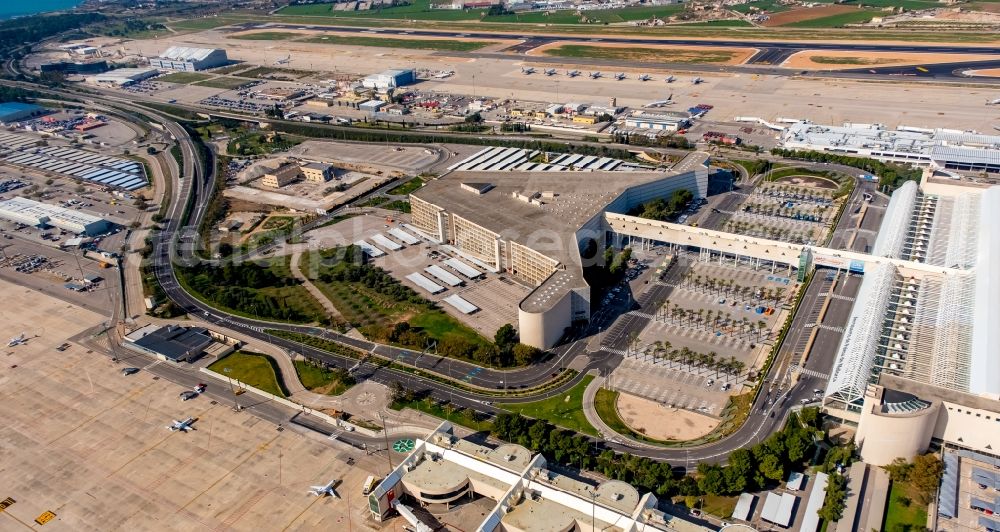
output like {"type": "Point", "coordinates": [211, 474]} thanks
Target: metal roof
{"type": "Point", "coordinates": [186, 53]}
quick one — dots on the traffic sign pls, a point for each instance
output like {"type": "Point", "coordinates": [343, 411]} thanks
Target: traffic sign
{"type": "Point", "coordinates": [45, 518]}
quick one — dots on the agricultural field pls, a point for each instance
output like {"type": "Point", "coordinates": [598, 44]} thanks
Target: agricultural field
{"type": "Point", "coordinates": [771, 6]}
{"type": "Point", "coordinates": [859, 16]}
{"type": "Point", "coordinates": [646, 54]}
{"type": "Point", "coordinates": [830, 16]}
{"type": "Point", "coordinates": [450, 45]}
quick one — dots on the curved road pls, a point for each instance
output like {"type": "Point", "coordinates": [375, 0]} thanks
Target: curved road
{"type": "Point", "coordinates": [177, 240]}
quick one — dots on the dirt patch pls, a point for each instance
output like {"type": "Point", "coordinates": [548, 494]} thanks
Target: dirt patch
{"type": "Point", "coordinates": [808, 181]}
{"type": "Point", "coordinates": [662, 423]}
{"type": "Point", "coordinates": [849, 59]}
{"type": "Point", "coordinates": [809, 13]}
{"type": "Point", "coordinates": [665, 53]}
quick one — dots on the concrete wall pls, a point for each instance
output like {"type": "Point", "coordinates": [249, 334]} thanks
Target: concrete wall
{"type": "Point", "coordinates": [884, 437]}
{"type": "Point", "coordinates": [544, 329]}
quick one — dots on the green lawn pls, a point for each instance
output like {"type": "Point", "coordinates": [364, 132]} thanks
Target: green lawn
{"type": "Point", "coordinates": [451, 45]}
{"type": "Point", "coordinates": [406, 188]}
{"type": "Point", "coordinates": [538, 17]}
{"type": "Point", "coordinates": [564, 410]}
{"type": "Point", "coordinates": [836, 21]}
{"type": "Point", "coordinates": [627, 14]}
{"type": "Point", "coordinates": [605, 403]}
{"type": "Point", "coordinates": [223, 83]}
{"type": "Point", "coordinates": [261, 72]}
{"type": "Point", "coordinates": [641, 54]}
{"type": "Point", "coordinates": [439, 324]}
{"type": "Point", "coordinates": [461, 416]}
{"type": "Point", "coordinates": [183, 77]}
{"type": "Point", "coordinates": [416, 10]}
{"type": "Point", "coordinates": [911, 517]}
{"type": "Point", "coordinates": [320, 380]}
{"type": "Point", "coordinates": [231, 68]}
{"type": "Point", "coordinates": [719, 505]}
{"type": "Point", "coordinates": [259, 371]}
{"type": "Point", "coordinates": [266, 36]}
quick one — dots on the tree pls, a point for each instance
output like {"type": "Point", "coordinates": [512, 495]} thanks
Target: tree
{"type": "Point", "coordinates": [834, 501]}
{"type": "Point", "coordinates": [505, 337]}
{"type": "Point", "coordinates": [771, 467]}
{"type": "Point", "coordinates": [739, 471]}
{"type": "Point", "coordinates": [396, 391]}
{"type": "Point", "coordinates": [926, 476]}
{"type": "Point", "coordinates": [712, 479]}
{"type": "Point", "coordinates": [525, 354]}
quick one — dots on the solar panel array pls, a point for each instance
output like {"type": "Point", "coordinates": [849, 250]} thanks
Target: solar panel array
{"type": "Point", "coordinates": [499, 159]}
{"type": "Point", "coordinates": [80, 164]}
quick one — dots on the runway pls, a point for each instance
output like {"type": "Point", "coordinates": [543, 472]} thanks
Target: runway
{"type": "Point", "coordinates": [769, 54]}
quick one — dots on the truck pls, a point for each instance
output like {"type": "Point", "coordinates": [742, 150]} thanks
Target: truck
{"type": "Point", "coordinates": [369, 485]}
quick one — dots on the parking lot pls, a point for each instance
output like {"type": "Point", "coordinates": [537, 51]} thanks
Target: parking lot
{"type": "Point", "coordinates": [797, 209]}
{"type": "Point", "coordinates": [49, 270]}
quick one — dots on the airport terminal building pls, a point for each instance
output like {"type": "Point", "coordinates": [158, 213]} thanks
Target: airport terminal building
{"type": "Point", "coordinates": [33, 213]}
{"type": "Point", "coordinates": [940, 148]}
{"type": "Point", "coordinates": [919, 359]}
{"type": "Point", "coordinates": [443, 470]}
{"type": "Point", "coordinates": [542, 222]}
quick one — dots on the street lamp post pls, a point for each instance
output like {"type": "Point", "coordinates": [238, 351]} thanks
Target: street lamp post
{"type": "Point", "coordinates": [236, 402]}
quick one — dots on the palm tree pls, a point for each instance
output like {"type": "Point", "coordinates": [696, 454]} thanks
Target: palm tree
{"type": "Point", "coordinates": [760, 328]}
{"type": "Point", "coordinates": [701, 316]}
{"type": "Point", "coordinates": [712, 357]}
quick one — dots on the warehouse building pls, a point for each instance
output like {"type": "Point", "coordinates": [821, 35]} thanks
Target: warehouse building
{"type": "Point", "coordinates": [445, 471]}
{"type": "Point", "coordinates": [280, 176]}
{"type": "Point", "coordinates": [33, 213]}
{"type": "Point", "coordinates": [174, 343]}
{"type": "Point", "coordinates": [938, 148]}
{"type": "Point", "coordinates": [390, 79]}
{"type": "Point", "coordinates": [76, 67]}
{"type": "Point", "coordinates": [123, 77]}
{"type": "Point", "coordinates": [657, 121]}
{"type": "Point", "coordinates": [14, 111]}
{"type": "Point", "coordinates": [187, 59]}
{"type": "Point", "coordinates": [540, 223]}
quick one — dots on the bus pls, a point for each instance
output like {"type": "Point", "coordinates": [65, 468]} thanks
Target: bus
{"type": "Point", "coordinates": [369, 485]}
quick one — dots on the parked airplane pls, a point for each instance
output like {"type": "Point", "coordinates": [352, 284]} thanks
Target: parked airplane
{"type": "Point", "coordinates": [645, 77]}
{"type": "Point", "coordinates": [322, 491]}
{"type": "Point", "coordinates": [527, 70]}
{"type": "Point", "coordinates": [697, 80]}
{"type": "Point", "coordinates": [445, 74]}
{"type": "Point", "coordinates": [620, 76]}
{"type": "Point", "coordinates": [182, 426]}
{"type": "Point", "coordinates": [670, 79]}
{"type": "Point", "coordinates": [662, 103]}
{"type": "Point", "coordinates": [573, 73]}
{"type": "Point", "coordinates": [18, 340]}
{"type": "Point", "coordinates": [993, 102]}
{"type": "Point", "coordinates": [285, 61]}
{"type": "Point", "coordinates": [595, 75]}
{"type": "Point", "coordinates": [551, 72]}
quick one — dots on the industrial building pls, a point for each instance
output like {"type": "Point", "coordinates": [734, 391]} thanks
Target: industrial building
{"type": "Point", "coordinates": [317, 172]}
{"type": "Point", "coordinates": [280, 176]}
{"type": "Point", "coordinates": [33, 213]}
{"type": "Point", "coordinates": [174, 343]}
{"type": "Point", "coordinates": [390, 79]}
{"type": "Point", "coordinates": [445, 471]}
{"type": "Point", "coordinates": [75, 67]}
{"type": "Point", "coordinates": [658, 121]}
{"type": "Point", "coordinates": [938, 148]}
{"type": "Point", "coordinates": [79, 164]}
{"type": "Point", "coordinates": [541, 223]}
{"type": "Point", "coordinates": [14, 111]}
{"type": "Point", "coordinates": [123, 77]}
{"type": "Point", "coordinates": [187, 59]}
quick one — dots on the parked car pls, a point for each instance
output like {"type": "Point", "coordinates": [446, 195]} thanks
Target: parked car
{"type": "Point", "coordinates": [129, 371]}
